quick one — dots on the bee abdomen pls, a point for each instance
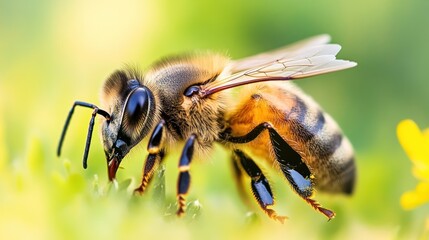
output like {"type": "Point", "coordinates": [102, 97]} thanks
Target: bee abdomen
{"type": "Point", "coordinates": [314, 128]}
{"type": "Point", "coordinates": [348, 174]}
{"type": "Point", "coordinates": [305, 121]}
{"type": "Point", "coordinates": [323, 146]}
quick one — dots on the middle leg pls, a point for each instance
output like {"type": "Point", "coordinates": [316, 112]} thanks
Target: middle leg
{"type": "Point", "coordinates": [184, 180]}
{"type": "Point", "coordinates": [260, 187]}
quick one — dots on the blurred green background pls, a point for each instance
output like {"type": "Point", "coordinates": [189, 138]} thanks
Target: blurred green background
{"type": "Point", "coordinates": [55, 52]}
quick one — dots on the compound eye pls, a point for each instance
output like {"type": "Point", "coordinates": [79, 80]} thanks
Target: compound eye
{"type": "Point", "coordinates": [137, 105]}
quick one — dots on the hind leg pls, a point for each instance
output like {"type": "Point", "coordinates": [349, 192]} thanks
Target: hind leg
{"type": "Point", "coordinates": [290, 162]}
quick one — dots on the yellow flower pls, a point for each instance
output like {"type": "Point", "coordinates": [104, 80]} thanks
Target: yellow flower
{"type": "Point", "coordinates": [416, 145]}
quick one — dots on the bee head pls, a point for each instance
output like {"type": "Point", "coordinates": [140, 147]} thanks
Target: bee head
{"type": "Point", "coordinates": [132, 115]}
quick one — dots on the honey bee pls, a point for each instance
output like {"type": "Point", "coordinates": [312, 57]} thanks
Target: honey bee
{"type": "Point", "coordinates": [248, 105]}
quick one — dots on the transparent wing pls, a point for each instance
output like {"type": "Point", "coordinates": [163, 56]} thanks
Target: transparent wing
{"type": "Point", "coordinates": [284, 52]}
{"type": "Point", "coordinates": [304, 59]}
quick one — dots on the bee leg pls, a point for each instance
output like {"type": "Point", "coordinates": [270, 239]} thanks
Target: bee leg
{"type": "Point", "coordinates": [291, 164]}
{"type": "Point", "coordinates": [156, 154]}
{"type": "Point", "coordinates": [296, 171]}
{"type": "Point", "coordinates": [260, 186]}
{"type": "Point", "coordinates": [184, 179]}
{"type": "Point", "coordinates": [239, 178]}
{"type": "Point", "coordinates": [250, 136]}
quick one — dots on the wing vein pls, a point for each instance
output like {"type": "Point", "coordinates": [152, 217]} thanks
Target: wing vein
{"type": "Point", "coordinates": [311, 57]}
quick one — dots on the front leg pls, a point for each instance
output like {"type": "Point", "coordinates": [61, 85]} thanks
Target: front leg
{"type": "Point", "coordinates": [184, 180]}
{"type": "Point", "coordinates": [156, 154]}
